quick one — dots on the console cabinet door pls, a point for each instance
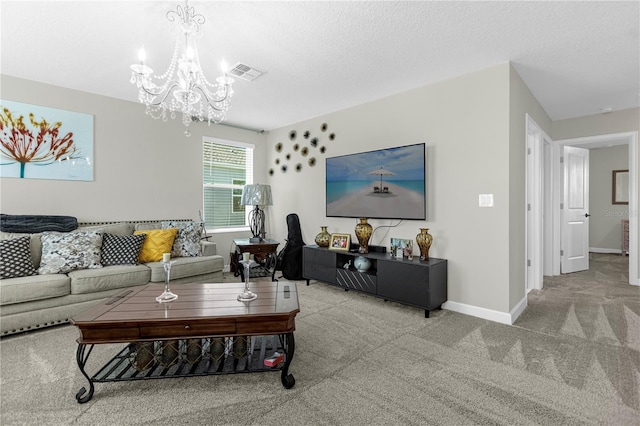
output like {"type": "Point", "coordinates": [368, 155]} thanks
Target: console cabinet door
{"type": "Point", "coordinates": [404, 283]}
{"type": "Point", "coordinates": [319, 264]}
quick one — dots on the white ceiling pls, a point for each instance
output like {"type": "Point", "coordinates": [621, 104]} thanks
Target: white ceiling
{"type": "Point", "coordinates": [320, 57]}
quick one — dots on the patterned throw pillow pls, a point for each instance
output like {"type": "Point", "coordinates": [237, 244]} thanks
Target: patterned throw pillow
{"type": "Point", "coordinates": [15, 258]}
{"type": "Point", "coordinates": [158, 242]}
{"type": "Point", "coordinates": [65, 252]}
{"type": "Point", "coordinates": [117, 250]}
{"type": "Point", "coordinates": [187, 243]}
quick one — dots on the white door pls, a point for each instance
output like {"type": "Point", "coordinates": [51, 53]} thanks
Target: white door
{"type": "Point", "coordinates": [575, 222]}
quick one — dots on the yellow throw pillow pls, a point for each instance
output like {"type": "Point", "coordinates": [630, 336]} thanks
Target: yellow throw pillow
{"type": "Point", "coordinates": [157, 242]}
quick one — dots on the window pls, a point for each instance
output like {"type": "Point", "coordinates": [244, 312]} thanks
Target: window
{"type": "Point", "coordinates": [227, 168]}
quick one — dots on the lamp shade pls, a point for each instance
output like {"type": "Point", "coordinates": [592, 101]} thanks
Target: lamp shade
{"type": "Point", "coordinates": [256, 195]}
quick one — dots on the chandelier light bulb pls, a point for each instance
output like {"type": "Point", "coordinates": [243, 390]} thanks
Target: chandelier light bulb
{"type": "Point", "coordinates": [224, 67]}
{"type": "Point", "coordinates": [142, 55]}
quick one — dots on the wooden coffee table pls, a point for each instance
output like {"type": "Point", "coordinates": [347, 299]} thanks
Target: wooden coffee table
{"type": "Point", "coordinates": [205, 331]}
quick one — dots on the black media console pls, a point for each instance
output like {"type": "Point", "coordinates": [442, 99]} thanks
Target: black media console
{"type": "Point", "coordinates": [415, 282]}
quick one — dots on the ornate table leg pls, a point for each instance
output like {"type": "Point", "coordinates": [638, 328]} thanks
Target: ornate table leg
{"type": "Point", "coordinates": [83, 396]}
{"type": "Point", "coordinates": [287, 379]}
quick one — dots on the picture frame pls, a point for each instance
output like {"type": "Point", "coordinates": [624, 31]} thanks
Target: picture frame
{"type": "Point", "coordinates": [401, 248]}
{"type": "Point", "coordinates": [60, 143]}
{"type": "Point", "coordinates": [340, 242]}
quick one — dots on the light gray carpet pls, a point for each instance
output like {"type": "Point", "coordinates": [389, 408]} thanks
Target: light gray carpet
{"type": "Point", "coordinates": [572, 358]}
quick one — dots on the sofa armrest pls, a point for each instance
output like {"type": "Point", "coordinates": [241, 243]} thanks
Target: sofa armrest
{"type": "Point", "coordinates": [208, 248]}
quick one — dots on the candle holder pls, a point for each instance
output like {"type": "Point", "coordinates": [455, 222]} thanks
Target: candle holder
{"type": "Point", "coordinates": [167, 295]}
{"type": "Point", "coordinates": [247, 295]}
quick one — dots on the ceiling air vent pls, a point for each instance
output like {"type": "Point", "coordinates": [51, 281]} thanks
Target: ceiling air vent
{"type": "Point", "coordinates": [245, 72]}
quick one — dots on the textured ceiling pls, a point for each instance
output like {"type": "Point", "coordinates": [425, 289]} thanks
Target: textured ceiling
{"type": "Point", "coordinates": [320, 57]}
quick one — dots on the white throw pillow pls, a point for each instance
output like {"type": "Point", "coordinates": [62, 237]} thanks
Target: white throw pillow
{"type": "Point", "coordinates": [187, 242]}
{"type": "Point", "coordinates": [65, 252]}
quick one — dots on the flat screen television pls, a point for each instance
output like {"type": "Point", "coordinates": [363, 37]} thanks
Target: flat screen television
{"type": "Point", "coordinates": [384, 184]}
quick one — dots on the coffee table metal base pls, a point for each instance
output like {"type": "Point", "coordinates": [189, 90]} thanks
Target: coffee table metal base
{"type": "Point", "coordinates": [189, 357]}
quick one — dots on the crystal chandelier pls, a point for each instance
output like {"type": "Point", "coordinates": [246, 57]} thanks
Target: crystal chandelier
{"type": "Point", "coordinates": [183, 87]}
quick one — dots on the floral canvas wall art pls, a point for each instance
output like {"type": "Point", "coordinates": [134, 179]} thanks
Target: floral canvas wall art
{"type": "Point", "coordinates": [37, 142]}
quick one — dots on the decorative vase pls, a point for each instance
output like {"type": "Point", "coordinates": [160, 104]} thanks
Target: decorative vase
{"type": "Point", "coordinates": [362, 264]}
{"type": "Point", "coordinates": [424, 240]}
{"type": "Point", "coordinates": [363, 232]}
{"type": "Point", "coordinates": [322, 239]}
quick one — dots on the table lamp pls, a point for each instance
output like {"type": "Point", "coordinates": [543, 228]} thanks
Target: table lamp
{"type": "Point", "coordinates": [256, 195]}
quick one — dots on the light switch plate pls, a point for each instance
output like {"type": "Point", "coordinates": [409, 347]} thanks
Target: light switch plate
{"type": "Point", "coordinates": [485, 200]}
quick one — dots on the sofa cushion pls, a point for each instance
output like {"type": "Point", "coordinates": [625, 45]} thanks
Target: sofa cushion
{"type": "Point", "coordinates": [157, 243]}
{"type": "Point", "coordinates": [15, 258]}
{"type": "Point", "coordinates": [187, 242]}
{"type": "Point", "coordinates": [121, 228]}
{"type": "Point", "coordinates": [37, 287]}
{"type": "Point", "coordinates": [117, 250]}
{"type": "Point", "coordinates": [65, 252]}
{"type": "Point", "coordinates": [184, 267]}
{"type": "Point", "coordinates": [108, 278]}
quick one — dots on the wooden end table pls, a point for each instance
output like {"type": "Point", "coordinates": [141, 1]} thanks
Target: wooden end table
{"type": "Point", "coordinates": [205, 331]}
{"type": "Point", "coordinates": [264, 252]}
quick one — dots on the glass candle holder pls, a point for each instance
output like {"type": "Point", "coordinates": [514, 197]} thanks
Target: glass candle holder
{"type": "Point", "coordinates": [247, 295]}
{"type": "Point", "coordinates": [167, 295]}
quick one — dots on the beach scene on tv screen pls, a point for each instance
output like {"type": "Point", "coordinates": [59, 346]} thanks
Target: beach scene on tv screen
{"type": "Point", "coordinates": [387, 183]}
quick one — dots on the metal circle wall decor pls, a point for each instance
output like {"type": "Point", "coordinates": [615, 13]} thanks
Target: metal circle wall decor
{"type": "Point", "coordinates": [292, 134]}
{"type": "Point", "coordinates": [314, 142]}
{"type": "Point", "coordinates": [277, 161]}
{"type": "Point", "coordinates": [304, 151]}
{"type": "Point", "coordinates": [298, 167]}
{"type": "Point", "coordinates": [288, 156]}
{"type": "Point", "coordinates": [296, 147]}
{"type": "Point", "coordinates": [322, 149]}
{"type": "Point", "coordinates": [332, 136]}
{"type": "Point", "coordinates": [306, 134]}
{"type": "Point", "coordinates": [312, 161]}
{"type": "Point", "coordinates": [323, 127]}
{"type": "Point", "coordinates": [271, 172]}
{"type": "Point", "coordinates": [283, 168]}
{"type": "Point", "coordinates": [278, 147]}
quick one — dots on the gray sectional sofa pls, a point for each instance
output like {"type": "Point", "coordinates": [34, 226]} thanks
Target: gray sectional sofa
{"type": "Point", "coordinates": [31, 302]}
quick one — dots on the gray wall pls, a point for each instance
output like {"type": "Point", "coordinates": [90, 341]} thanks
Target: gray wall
{"type": "Point", "coordinates": [144, 168]}
{"type": "Point", "coordinates": [472, 149]}
{"type": "Point", "coordinates": [605, 233]}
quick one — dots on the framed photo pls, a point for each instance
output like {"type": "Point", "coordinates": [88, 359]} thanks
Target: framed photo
{"type": "Point", "coordinates": [401, 248]}
{"type": "Point", "coordinates": [340, 242]}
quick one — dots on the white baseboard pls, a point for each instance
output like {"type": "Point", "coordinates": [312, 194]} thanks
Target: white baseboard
{"type": "Point", "coordinates": [488, 314]}
{"type": "Point", "coordinates": [604, 250]}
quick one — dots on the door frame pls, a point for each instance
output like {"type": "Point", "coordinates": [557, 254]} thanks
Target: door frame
{"type": "Point", "coordinates": [627, 138]}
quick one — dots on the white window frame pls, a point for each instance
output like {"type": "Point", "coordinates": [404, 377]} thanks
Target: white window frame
{"type": "Point", "coordinates": [248, 181]}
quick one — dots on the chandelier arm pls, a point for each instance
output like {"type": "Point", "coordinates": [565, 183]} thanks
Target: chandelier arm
{"type": "Point", "coordinates": [212, 102]}
{"type": "Point", "coordinates": [166, 92]}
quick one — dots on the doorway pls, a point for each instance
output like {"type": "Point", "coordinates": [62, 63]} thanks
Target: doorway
{"type": "Point", "coordinates": [544, 188]}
